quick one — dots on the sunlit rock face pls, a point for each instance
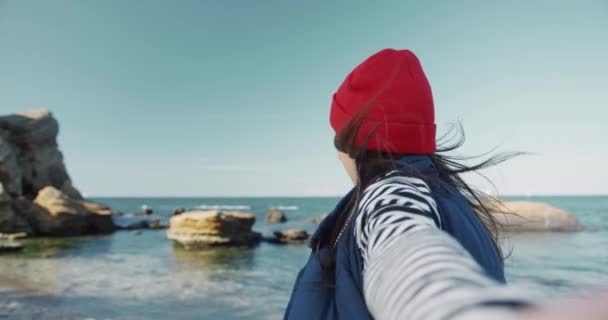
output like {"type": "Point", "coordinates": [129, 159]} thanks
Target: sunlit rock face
{"type": "Point", "coordinates": [204, 229]}
{"type": "Point", "coordinates": [36, 194]}
{"type": "Point", "coordinates": [525, 216]}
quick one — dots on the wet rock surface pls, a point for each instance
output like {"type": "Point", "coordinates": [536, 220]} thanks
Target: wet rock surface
{"type": "Point", "coordinates": [289, 236]}
{"type": "Point", "coordinates": [275, 216]}
{"type": "Point", "coordinates": [204, 229]}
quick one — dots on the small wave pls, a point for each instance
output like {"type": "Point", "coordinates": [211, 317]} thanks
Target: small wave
{"type": "Point", "coordinates": [223, 207]}
{"type": "Point", "coordinates": [285, 208]}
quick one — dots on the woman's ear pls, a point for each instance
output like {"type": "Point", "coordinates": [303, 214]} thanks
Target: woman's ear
{"type": "Point", "coordinates": [349, 165]}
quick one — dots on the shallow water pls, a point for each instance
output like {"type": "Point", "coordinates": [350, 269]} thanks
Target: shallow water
{"type": "Point", "coordinates": [145, 276]}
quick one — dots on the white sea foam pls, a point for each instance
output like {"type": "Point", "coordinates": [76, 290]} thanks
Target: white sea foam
{"type": "Point", "coordinates": [223, 207]}
{"type": "Point", "coordinates": [285, 208]}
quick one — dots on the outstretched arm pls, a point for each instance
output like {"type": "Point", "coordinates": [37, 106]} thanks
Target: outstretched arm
{"type": "Point", "coordinates": [413, 269]}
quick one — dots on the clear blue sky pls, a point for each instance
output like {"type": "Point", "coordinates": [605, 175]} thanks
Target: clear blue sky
{"type": "Point", "coordinates": [209, 98]}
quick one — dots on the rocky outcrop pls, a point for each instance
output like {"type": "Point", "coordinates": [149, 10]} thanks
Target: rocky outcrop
{"type": "Point", "coordinates": [204, 229]}
{"type": "Point", "coordinates": [275, 216]}
{"type": "Point", "coordinates": [54, 213]}
{"type": "Point", "coordinates": [36, 193]}
{"type": "Point", "coordinates": [524, 216]}
{"type": "Point", "coordinates": [29, 156]}
{"type": "Point", "coordinates": [289, 236]}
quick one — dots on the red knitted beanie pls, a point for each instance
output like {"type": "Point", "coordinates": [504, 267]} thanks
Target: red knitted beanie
{"type": "Point", "coordinates": [398, 113]}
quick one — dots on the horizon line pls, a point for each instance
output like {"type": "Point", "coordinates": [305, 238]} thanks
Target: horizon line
{"type": "Point", "coordinates": [313, 196]}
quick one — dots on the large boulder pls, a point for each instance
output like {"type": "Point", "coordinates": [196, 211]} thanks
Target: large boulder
{"type": "Point", "coordinates": [54, 213]}
{"type": "Point", "coordinates": [29, 155]}
{"type": "Point", "coordinates": [204, 229]}
{"type": "Point", "coordinates": [524, 216]}
{"type": "Point", "coordinates": [36, 193]}
{"type": "Point", "coordinates": [275, 216]}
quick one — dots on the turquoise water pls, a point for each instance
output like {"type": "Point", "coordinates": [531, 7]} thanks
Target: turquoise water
{"type": "Point", "coordinates": [145, 276]}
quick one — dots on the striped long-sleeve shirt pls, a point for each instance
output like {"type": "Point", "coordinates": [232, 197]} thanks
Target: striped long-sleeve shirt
{"type": "Point", "coordinates": [414, 270]}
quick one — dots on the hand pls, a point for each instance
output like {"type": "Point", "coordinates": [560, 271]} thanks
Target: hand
{"type": "Point", "coordinates": [595, 308]}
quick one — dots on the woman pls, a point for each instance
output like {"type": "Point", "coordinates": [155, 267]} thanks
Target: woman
{"type": "Point", "coordinates": [412, 240]}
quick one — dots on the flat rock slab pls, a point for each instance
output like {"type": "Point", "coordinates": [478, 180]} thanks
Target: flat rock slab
{"type": "Point", "coordinates": [10, 246]}
{"type": "Point", "coordinates": [525, 216]}
{"type": "Point", "coordinates": [204, 229]}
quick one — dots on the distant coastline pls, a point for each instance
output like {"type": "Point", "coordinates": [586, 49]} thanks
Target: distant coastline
{"type": "Point", "coordinates": [329, 196]}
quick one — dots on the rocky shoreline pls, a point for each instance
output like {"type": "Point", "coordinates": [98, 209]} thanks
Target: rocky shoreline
{"type": "Point", "coordinates": [37, 198]}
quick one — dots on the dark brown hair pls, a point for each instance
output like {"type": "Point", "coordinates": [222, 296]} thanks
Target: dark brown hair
{"type": "Point", "coordinates": [372, 164]}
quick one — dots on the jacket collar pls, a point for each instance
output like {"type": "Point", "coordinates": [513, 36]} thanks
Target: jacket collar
{"type": "Point", "coordinates": [412, 164]}
{"type": "Point", "coordinates": [328, 222]}
{"type": "Point", "coordinates": [415, 164]}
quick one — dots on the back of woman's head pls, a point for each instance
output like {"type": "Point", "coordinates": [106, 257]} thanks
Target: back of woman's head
{"type": "Point", "coordinates": [386, 104]}
{"type": "Point", "coordinates": [384, 111]}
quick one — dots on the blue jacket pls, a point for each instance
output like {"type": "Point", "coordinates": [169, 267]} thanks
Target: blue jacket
{"type": "Point", "coordinates": [311, 299]}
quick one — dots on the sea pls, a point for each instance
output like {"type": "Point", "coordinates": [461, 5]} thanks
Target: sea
{"type": "Point", "coordinates": [143, 275]}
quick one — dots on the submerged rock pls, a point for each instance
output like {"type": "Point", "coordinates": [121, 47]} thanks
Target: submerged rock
{"type": "Point", "coordinates": [146, 210]}
{"type": "Point", "coordinates": [289, 236]}
{"type": "Point", "coordinates": [275, 216]}
{"type": "Point", "coordinates": [178, 211]}
{"type": "Point", "coordinates": [142, 224]}
{"type": "Point", "coordinates": [157, 224]}
{"type": "Point", "coordinates": [524, 216]}
{"type": "Point", "coordinates": [203, 229]}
